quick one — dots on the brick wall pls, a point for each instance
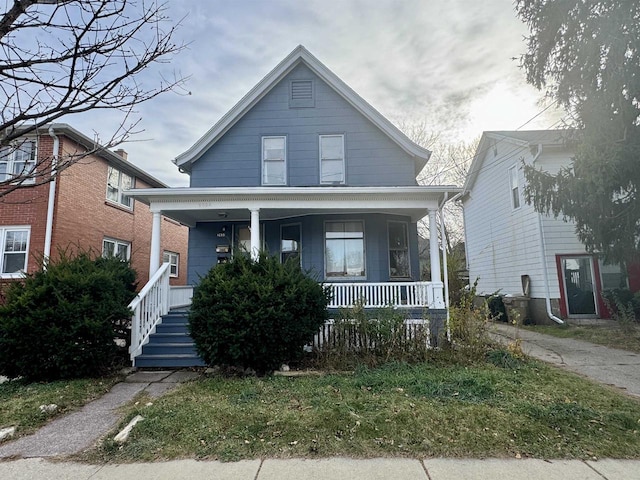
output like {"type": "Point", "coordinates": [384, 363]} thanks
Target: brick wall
{"type": "Point", "coordinates": [28, 206]}
{"type": "Point", "coordinates": [84, 217]}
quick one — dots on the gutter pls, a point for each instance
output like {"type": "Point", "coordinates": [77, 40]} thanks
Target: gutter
{"type": "Point", "coordinates": [543, 258]}
{"type": "Point", "coordinates": [52, 197]}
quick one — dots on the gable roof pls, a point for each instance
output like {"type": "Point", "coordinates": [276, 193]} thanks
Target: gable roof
{"type": "Point", "coordinates": [524, 139]}
{"type": "Point", "coordinates": [297, 56]}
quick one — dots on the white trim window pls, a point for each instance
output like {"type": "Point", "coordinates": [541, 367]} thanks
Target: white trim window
{"type": "Point", "coordinates": [399, 265]}
{"type": "Point", "coordinates": [290, 242]}
{"type": "Point", "coordinates": [117, 184]}
{"type": "Point", "coordinates": [18, 160]}
{"type": "Point", "coordinates": [344, 249]}
{"type": "Point", "coordinates": [116, 248]}
{"type": "Point", "coordinates": [332, 159]}
{"type": "Point", "coordinates": [514, 185]}
{"type": "Point", "coordinates": [173, 259]}
{"type": "Point", "coordinates": [14, 251]}
{"type": "Point", "coordinates": [274, 160]}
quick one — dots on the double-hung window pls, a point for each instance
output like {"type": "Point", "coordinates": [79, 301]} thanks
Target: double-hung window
{"type": "Point", "coordinates": [331, 158]}
{"type": "Point", "coordinates": [274, 160]}
{"type": "Point", "coordinates": [18, 161]}
{"type": "Point", "coordinates": [514, 184]}
{"type": "Point", "coordinates": [14, 248]}
{"type": "Point", "coordinates": [116, 248]}
{"type": "Point", "coordinates": [398, 250]}
{"type": "Point", "coordinates": [290, 242]}
{"type": "Point", "coordinates": [117, 184]}
{"type": "Point", "coordinates": [174, 260]}
{"type": "Point", "coordinates": [344, 249]}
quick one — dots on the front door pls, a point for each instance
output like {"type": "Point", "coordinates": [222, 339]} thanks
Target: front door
{"type": "Point", "coordinates": [579, 286]}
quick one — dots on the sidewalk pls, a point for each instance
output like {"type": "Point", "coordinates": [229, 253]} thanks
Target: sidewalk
{"type": "Point", "coordinates": [609, 366]}
{"type": "Point", "coordinates": [330, 469]}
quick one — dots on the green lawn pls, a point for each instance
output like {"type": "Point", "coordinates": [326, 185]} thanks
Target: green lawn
{"type": "Point", "coordinates": [397, 410]}
{"type": "Point", "coordinates": [626, 338]}
{"type": "Point", "coordinates": [20, 401]}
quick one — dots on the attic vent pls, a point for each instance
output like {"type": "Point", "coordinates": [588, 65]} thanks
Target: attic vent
{"type": "Point", "coordinates": [301, 94]}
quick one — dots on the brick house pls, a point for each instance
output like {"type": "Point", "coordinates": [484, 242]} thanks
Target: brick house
{"type": "Point", "coordinates": [89, 208]}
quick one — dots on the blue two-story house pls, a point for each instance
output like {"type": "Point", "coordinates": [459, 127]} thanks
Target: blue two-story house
{"type": "Point", "coordinates": [303, 167]}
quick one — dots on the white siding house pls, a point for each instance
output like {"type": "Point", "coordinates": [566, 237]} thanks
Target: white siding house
{"type": "Point", "coordinates": [507, 239]}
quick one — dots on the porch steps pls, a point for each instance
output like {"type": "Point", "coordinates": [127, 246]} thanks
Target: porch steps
{"type": "Point", "coordinates": [170, 346]}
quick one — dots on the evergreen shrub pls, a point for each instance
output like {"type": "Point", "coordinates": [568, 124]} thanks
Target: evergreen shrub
{"type": "Point", "coordinates": [256, 314]}
{"type": "Point", "coordinates": [63, 322]}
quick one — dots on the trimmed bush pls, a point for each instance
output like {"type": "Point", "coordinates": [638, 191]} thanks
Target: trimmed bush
{"type": "Point", "coordinates": [62, 322]}
{"type": "Point", "coordinates": [256, 314]}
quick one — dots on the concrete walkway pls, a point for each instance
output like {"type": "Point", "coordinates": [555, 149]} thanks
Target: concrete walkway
{"type": "Point", "coordinates": [330, 469]}
{"type": "Point", "coordinates": [609, 366]}
{"type": "Point", "coordinates": [79, 431]}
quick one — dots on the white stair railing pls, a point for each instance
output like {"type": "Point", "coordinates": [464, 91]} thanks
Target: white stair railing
{"type": "Point", "coordinates": [148, 307]}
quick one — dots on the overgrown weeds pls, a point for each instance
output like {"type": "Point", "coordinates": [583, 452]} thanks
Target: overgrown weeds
{"type": "Point", "coordinates": [372, 337]}
{"type": "Point", "coordinates": [624, 307]}
{"type": "Point", "coordinates": [469, 328]}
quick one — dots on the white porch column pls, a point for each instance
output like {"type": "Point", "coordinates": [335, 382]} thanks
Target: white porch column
{"type": "Point", "coordinates": [154, 256]}
{"type": "Point", "coordinates": [255, 233]}
{"type": "Point", "coordinates": [434, 250]}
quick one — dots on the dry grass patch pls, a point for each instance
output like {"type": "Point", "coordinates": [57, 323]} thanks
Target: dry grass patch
{"type": "Point", "coordinates": [503, 408]}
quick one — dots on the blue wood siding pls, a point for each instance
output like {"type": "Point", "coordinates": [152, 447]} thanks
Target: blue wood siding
{"type": "Point", "coordinates": [371, 158]}
{"type": "Point", "coordinates": [205, 237]}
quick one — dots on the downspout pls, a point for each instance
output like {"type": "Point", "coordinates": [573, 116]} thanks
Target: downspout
{"type": "Point", "coordinates": [52, 197]}
{"type": "Point", "coordinates": [543, 258]}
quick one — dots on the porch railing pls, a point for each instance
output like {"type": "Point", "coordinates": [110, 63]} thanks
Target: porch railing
{"type": "Point", "coordinates": [180, 296]}
{"type": "Point", "coordinates": [148, 307]}
{"type": "Point", "coordinates": [376, 295]}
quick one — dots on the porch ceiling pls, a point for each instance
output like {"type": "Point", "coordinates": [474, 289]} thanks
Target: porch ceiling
{"type": "Point", "coordinates": [191, 205]}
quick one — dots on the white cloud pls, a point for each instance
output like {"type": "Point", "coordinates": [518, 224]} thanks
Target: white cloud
{"type": "Point", "coordinates": [447, 62]}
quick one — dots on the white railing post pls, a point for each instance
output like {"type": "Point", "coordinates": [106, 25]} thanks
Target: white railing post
{"type": "Point", "coordinates": [148, 307]}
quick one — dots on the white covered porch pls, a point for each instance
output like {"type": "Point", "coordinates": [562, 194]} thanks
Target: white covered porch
{"type": "Point", "coordinates": [255, 205]}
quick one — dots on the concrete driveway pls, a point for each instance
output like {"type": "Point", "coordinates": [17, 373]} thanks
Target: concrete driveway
{"type": "Point", "coordinates": [609, 366]}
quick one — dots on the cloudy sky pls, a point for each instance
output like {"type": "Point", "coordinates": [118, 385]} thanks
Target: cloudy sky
{"type": "Point", "coordinates": [450, 64]}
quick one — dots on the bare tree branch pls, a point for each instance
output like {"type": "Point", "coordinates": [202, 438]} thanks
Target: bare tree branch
{"type": "Point", "coordinates": [64, 57]}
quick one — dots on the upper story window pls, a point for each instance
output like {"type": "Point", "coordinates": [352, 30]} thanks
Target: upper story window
{"type": "Point", "coordinates": [116, 248]}
{"type": "Point", "coordinates": [514, 183]}
{"type": "Point", "coordinates": [174, 260]}
{"type": "Point", "coordinates": [331, 158]}
{"type": "Point", "coordinates": [18, 161]}
{"type": "Point", "coordinates": [274, 160]}
{"type": "Point", "coordinates": [14, 247]}
{"type": "Point", "coordinates": [117, 184]}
